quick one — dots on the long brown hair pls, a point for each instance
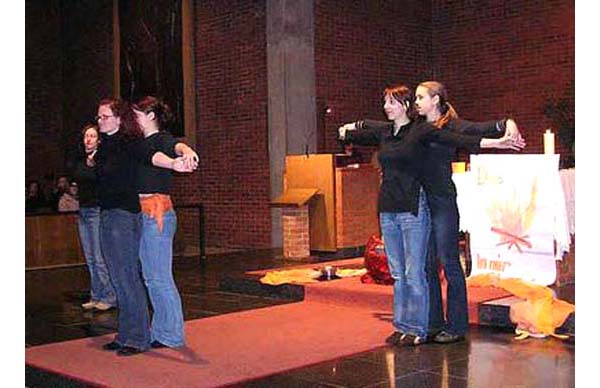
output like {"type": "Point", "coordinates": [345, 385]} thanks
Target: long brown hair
{"type": "Point", "coordinates": [405, 96]}
{"type": "Point", "coordinates": [447, 111]}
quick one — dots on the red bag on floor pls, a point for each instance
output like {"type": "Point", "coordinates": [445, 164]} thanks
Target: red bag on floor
{"type": "Point", "coordinates": [376, 263]}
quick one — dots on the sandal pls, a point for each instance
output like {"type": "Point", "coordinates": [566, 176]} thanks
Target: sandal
{"type": "Point", "coordinates": [394, 338]}
{"type": "Point", "coordinates": [411, 340]}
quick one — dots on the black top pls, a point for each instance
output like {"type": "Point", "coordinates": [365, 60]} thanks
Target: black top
{"type": "Point", "coordinates": [437, 168]}
{"type": "Point", "coordinates": [115, 169]}
{"type": "Point", "coordinates": [152, 179]}
{"type": "Point", "coordinates": [401, 158]}
{"type": "Point", "coordinates": [85, 177]}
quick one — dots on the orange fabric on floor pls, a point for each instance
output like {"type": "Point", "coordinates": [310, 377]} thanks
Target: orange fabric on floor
{"type": "Point", "coordinates": [539, 313]}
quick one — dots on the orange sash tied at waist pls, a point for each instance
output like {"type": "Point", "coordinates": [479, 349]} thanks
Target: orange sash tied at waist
{"type": "Point", "coordinates": [155, 206]}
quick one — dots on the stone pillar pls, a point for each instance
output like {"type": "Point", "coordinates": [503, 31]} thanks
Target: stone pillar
{"type": "Point", "coordinates": [296, 235]}
{"type": "Point", "coordinates": [291, 88]}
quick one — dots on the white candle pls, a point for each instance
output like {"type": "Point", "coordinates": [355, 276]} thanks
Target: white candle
{"type": "Point", "coordinates": [548, 142]}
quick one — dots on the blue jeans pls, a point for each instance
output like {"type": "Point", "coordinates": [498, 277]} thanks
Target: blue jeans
{"type": "Point", "coordinates": [120, 242]}
{"type": "Point", "coordinates": [89, 234]}
{"type": "Point", "coordinates": [406, 238]}
{"type": "Point", "coordinates": [156, 253]}
{"type": "Point", "coordinates": [444, 244]}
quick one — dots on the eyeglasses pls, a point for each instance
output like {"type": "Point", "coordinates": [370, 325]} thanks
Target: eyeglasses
{"type": "Point", "coordinates": [103, 117]}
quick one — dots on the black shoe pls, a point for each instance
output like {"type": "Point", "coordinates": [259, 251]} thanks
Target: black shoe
{"type": "Point", "coordinates": [394, 338]}
{"type": "Point", "coordinates": [157, 345]}
{"type": "Point", "coordinates": [446, 338]}
{"type": "Point", "coordinates": [129, 351]}
{"type": "Point", "coordinates": [112, 346]}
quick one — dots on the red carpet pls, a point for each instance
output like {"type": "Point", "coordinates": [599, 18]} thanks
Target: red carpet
{"type": "Point", "coordinates": [225, 349]}
{"type": "Point", "coordinates": [337, 319]}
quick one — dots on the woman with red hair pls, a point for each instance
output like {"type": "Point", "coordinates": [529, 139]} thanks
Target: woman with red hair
{"type": "Point", "coordinates": [402, 205]}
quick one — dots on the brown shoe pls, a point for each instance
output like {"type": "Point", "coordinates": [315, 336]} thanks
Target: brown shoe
{"type": "Point", "coordinates": [447, 338]}
{"type": "Point", "coordinates": [112, 346]}
{"type": "Point", "coordinates": [412, 340]}
{"type": "Point", "coordinates": [394, 338]}
{"type": "Point", "coordinates": [126, 351]}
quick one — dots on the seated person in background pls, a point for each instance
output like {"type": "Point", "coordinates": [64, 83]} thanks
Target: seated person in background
{"type": "Point", "coordinates": [69, 201]}
{"type": "Point", "coordinates": [61, 187]}
{"type": "Point", "coordinates": [353, 155]}
{"type": "Point", "coordinates": [35, 199]}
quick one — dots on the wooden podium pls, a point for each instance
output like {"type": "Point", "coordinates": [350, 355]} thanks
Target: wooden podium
{"type": "Point", "coordinates": [342, 201]}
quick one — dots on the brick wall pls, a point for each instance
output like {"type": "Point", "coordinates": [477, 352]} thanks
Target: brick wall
{"type": "Point", "coordinates": [360, 48]}
{"type": "Point", "coordinates": [43, 89]}
{"type": "Point", "coordinates": [231, 100]}
{"type": "Point", "coordinates": [68, 69]}
{"type": "Point", "coordinates": [496, 57]}
{"type": "Point", "coordinates": [506, 57]}
{"type": "Point", "coordinates": [295, 224]}
{"type": "Point", "coordinates": [87, 46]}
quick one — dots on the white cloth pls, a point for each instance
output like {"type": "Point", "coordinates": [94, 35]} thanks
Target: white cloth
{"type": "Point", "coordinates": [567, 178]}
{"type": "Point", "coordinates": [514, 209]}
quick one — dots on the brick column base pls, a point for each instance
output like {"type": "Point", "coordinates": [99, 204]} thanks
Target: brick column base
{"type": "Point", "coordinates": [296, 238]}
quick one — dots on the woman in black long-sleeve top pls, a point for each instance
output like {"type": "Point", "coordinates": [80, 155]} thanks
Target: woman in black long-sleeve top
{"type": "Point", "coordinates": [436, 178]}
{"type": "Point", "coordinates": [102, 293]}
{"type": "Point", "coordinates": [120, 225]}
{"type": "Point", "coordinates": [402, 206]}
{"type": "Point", "coordinates": [159, 154]}
{"type": "Point", "coordinates": [431, 103]}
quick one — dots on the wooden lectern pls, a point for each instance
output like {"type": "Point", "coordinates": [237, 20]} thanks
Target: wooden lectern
{"type": "Point", "coordinates": [342, 200]}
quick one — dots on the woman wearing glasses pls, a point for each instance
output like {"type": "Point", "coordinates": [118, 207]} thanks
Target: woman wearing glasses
{"type": "Point", "coordinates": [120, 225]}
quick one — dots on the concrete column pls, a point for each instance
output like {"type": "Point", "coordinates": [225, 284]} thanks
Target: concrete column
{"type": "Point", "coordinates": [291, 88]}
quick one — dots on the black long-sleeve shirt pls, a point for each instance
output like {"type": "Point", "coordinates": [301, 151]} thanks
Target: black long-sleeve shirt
{"type": "Point", "coordinates": [85, 177]}
{"type": "Point", "coordinates": [152, 179]}
{"type": "Point", "coordinates": [437, 167]}
{"type": "Point", "coordinates": [116, 168]}
{"type": "Point", "coordinates": [401, 158]}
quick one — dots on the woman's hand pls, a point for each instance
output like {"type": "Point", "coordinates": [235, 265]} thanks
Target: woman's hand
{"type": "Point", "coordinates": [89, 160]}
{"type": "Point", "coordinates": [346, 127]}
{"type": "Point", "coordinates": [512, 130]}
{"type": "Point", "coordinates": [507, 142]}
{"type": "Point", "coordinates": [190, 160]}
{"type": "Point", "coordinates": [181, 165]}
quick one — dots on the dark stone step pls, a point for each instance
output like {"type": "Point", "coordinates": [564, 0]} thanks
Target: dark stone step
{"type": "Point", "coordinates": [496, 313]}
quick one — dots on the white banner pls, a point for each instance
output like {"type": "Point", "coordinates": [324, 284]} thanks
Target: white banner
{"type": "Point", "coordinates": [513, 207]}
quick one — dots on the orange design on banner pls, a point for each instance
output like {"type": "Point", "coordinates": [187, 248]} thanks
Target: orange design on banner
{"type": "Point", "coordinates": [511, 222]}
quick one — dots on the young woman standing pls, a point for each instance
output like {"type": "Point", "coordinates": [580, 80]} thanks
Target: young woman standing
{"type": "Point", "coordinates": [160, 153]}
{"type": "Point", "coordinates": [102, 293]}
{"type": "Point", "coordinates": [431, 103]}
{"type": "Point", "coordinates": [402, 206]}
{"type": "Point", "coordinates": [120, 225]}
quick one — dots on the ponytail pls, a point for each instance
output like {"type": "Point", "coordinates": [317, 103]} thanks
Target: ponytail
{"type": "Point", "coordinates": [446, 116]}
{"type": "Point", "coordinates": [447, 111]}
